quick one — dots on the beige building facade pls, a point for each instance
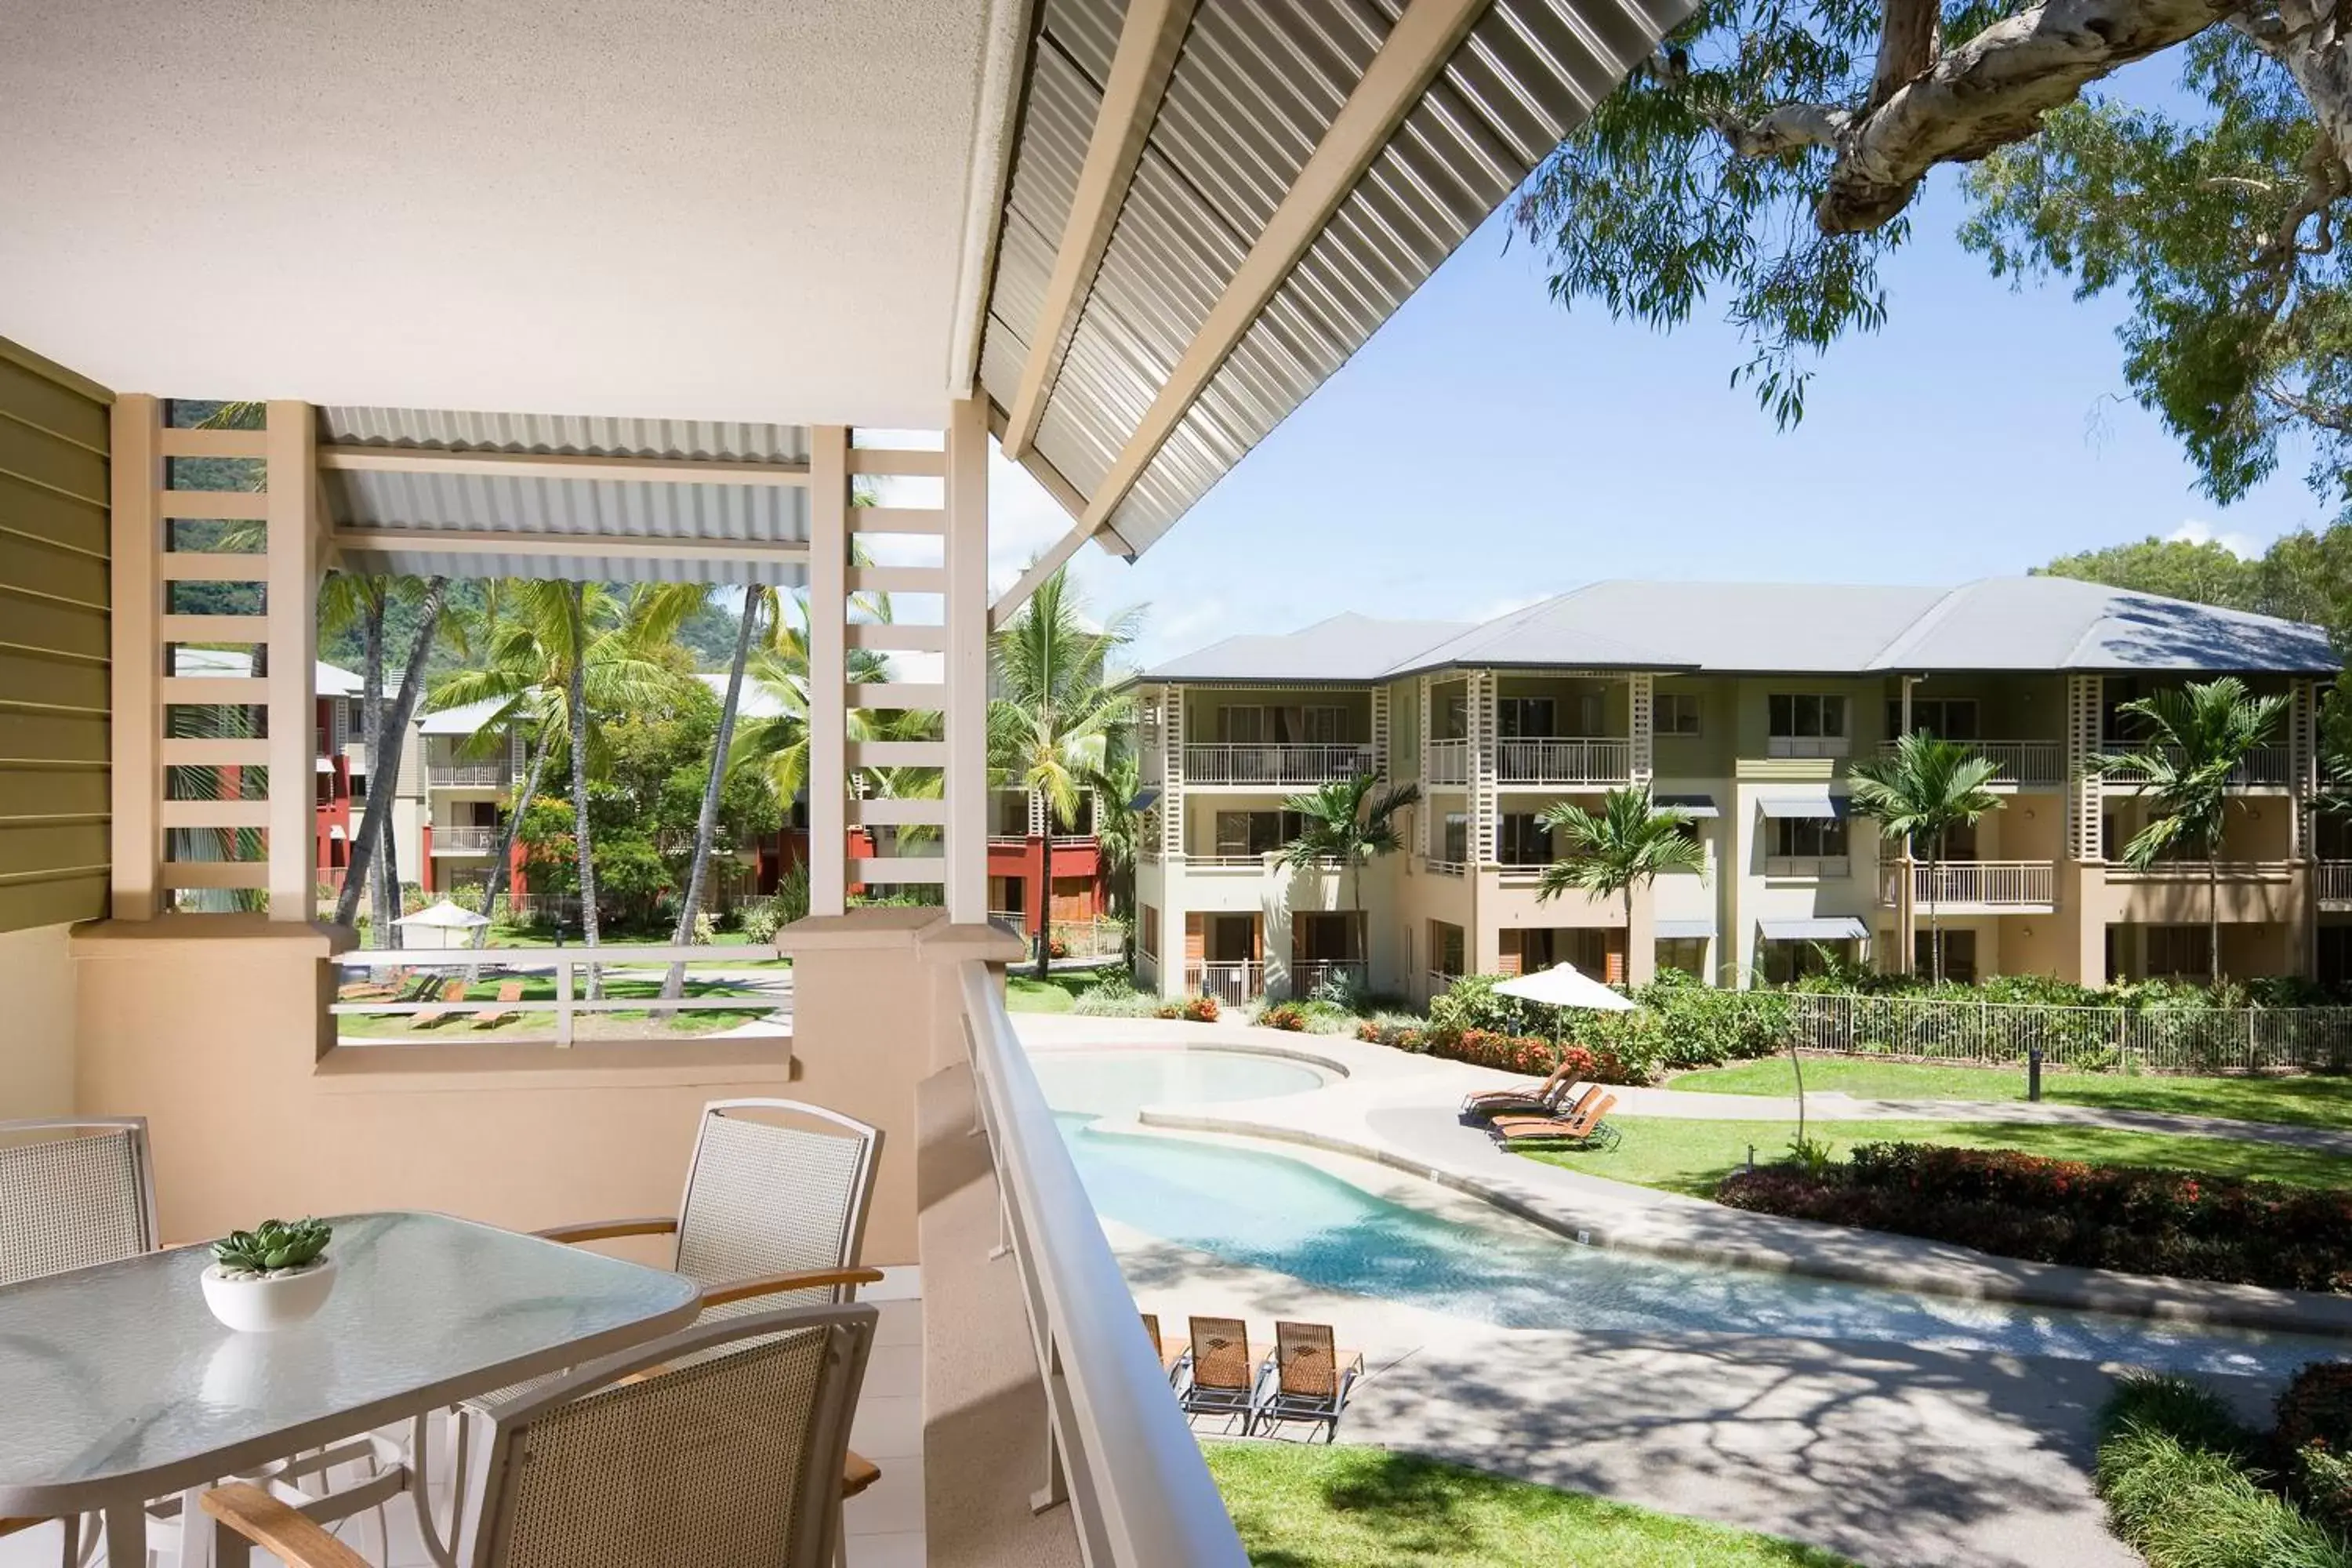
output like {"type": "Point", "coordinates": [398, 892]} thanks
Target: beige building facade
{"type": "Point", "coordinates": [1745, 706]}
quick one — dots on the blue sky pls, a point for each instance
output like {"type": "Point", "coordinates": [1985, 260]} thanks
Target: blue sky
{"type": "Point", "coordinates": [1487, 449]}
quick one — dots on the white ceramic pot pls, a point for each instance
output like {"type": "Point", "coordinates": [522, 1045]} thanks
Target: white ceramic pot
{"type": "Point", "coordinates": [257, 1303]}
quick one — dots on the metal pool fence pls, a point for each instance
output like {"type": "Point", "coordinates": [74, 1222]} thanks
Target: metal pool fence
{"type": "Point", "coordinates": [2162, 1039]}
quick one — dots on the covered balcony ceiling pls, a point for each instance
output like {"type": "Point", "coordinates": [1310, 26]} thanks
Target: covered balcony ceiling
{"type": "Point", "coordinates": [1144, 231]}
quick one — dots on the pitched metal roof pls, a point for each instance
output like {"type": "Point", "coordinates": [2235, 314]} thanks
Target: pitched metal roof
{"type": "Point", "coordinates": [2017, 625]}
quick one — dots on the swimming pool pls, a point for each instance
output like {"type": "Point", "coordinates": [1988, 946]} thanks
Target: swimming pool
{"type": "Point", "coordinates": [1270, 1210]}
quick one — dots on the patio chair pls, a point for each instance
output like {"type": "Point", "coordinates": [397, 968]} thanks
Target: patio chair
{"type": "Point", "coordinates": [1559, 1095]}
{"type": "Point", "coordinates": [512, 991]}
{"type": "Point", "coordinates": [1584, 1129]}
{"type": "Point", "coordinates": [74, 1192]}
{"type": "Point", "coordinates": [447, 990]}
{"type": "Point", "coordinates": [1312, 1379]}
{"type": "Point", "coordinates": [1172, 1352]}
{"type": "Point", "coordinates": [1224, 1371]}
{"type": "Point", "coordinates": [722, 1444]}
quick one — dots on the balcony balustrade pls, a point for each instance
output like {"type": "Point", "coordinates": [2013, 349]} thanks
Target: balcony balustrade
{"type": "Point", "coordinates": [1308, 975]}
{"type": "Point", "coordinates": [1235, 984]}
{"type": "Point", "coordinates": [468, 775]}
{"type": "Point", "coordinates": [467, 840]}
{"type": "Point", "coordinates": [2334, 883]}
{"type": "Point", "coordinates": [2265, 767]}
{"type": "Point", "coordinates": [1982, 884]}
{"type": "Point", "coordinates": [1449, 762]}
{"type": "Point", "coordinates": [1275, 767]}
{"type": "Point", "coordinates": [1549, 761]}
{"type": "Point", "coordinates": [2031, 763]}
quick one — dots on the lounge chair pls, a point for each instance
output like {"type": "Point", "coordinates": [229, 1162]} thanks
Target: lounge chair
{"type": "Point", "coordinates": [433, 1017]}
{"type": "Point", "coordinates": [1171, 1352]}
{"type": "Point", "coordinates": [1584, 1128]}
{"type": "Point", "coordinates": [1224, 1371]}
{"type": "Point", "coordinates": [1565, 1102]}
{"type": "Point", "coordinates": [1312, 1379]}
{"type": "Point", "coordinates": [1528, 1098]}
{"type": "Point", "coordinates": [509, 992]}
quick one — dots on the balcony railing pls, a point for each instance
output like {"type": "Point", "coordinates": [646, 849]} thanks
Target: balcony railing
{"type": "Point", "coordinates": [1563, 761]}
{"type": "Point", "coordinates": [1449, 762]}
{"type": "Point", "coordinates": [1275, 765]}
{"type": "Point", "coordinates": [2195, 872]}
{"type": "Point", "coordinates": [467, 840]}
{"type": "Point", "coordinates": [1807, 746]}
{"type": "Point", "coordinates": [2028, 762]}
{"type": "Point", "coordinates": [1139, 1492]}
{"type": "Point", "coordinates": [1990, 884]}
{"type": "Point", "coordinates": [1307, 973]}
{"type": "Point", "coordinates": [468, 775]}
{"type": "Point", "coordinates": [2265, 767]}
{"type": "Point", "coordinates": [1808, 866]}
{"type": "Point", "coordinates": [1231, 983]}
{"type": "Point", "coordinates": [563, 1009]}
{"type": "Point", "coordinates": [2335, 882]}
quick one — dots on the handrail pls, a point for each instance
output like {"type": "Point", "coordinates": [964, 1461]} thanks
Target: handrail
{"type": "Point", "coordinates": [1138, 1490]}
{"type": "Point", "coordinates": [564, 962]}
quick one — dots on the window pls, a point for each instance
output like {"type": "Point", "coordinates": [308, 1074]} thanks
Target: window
{"type": "Point", "coordinates": [1786, 963]}
{"type": "Point", "coordinates": [359, 794]}
{"type": "Point", "coordinates": [1324, 938]}
{"type": "Point", "coordinates": [1241, 726]}
{"type": "Point", "coordinates": [1675, 714]}
{"type": "Point", "coordinates": [1447, 949]}
{"type": "Point", "coordinates": [1148, 940]}
{"type": "Point", "coordinates": [1945, 717]}
{"type": "Point", "coordinates": [1324, 726]}
{"type": "Point", "coordinates": [1806, 724]}
{"type": "Point", "coordinates": [1960, 956]}
{"type": "Point", "coordinates": [1257, 832]}
{"type": "Point", "coordinates": [1521, 839]}
{"type": "Point", "coordinates": [1807, 846]}
{"type": "Point", "coordinates": [1685, 954]}
{"type": "Point", "coordinates": [1530, 717]}
{"type": "Point", "coordinates": [1454, 720]}
{"type": "Point", "coordinates": [2186, 952]}
{"type": "Point", "coordinates": [1455, 845]}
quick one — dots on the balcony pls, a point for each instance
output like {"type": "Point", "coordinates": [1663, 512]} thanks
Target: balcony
{"type": "Point", "coordinates": [467, 840]}
{"type": "Point", "coordinates": [1449, 762]}
{"type": "Point", "coordinates": [1552, 760]}
{"type": "Point", "coordinates": [1275, 766]}
{"type": "Point", "coordinates": [1979, 886]}
{"type": "Point", "coordinates": [2029, 765]}
{"type": "Point", "coordinates": [2265, 767]}
{"type": "Point", "coordinates": [1235, 984]}
{"type": "Point", "coordinates": [2332, 883]}
{"type": "Point", "coordinates": [1308, 975]}
{"type": "Point", "coordinates": [1809, 867]}
{"type": "Point", "coordinates": [468, 775]}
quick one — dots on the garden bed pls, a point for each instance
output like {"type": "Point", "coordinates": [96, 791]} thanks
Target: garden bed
{"type": "Point", "coordinates": [2187, 1224]}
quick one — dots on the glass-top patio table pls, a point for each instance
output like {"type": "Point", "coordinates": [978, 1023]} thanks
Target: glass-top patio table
{"type": "Point", "coordinates": [117, 1386]}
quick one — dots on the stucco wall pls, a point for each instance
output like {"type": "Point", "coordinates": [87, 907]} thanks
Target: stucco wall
{"type": "Point", "coordinates": [36, 1048]}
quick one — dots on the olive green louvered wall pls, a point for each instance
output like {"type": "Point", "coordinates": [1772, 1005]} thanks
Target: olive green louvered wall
{"type": "Point", "coordinates": [54, 642]}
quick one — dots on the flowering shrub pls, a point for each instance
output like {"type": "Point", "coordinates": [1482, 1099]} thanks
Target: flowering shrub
{"type": "Point", "coordinates": [1056, 947]}
{"type": "Point", "coordinates": [2313, 1442]}
{"type": "Point", "coordinates": [1193, 1010]}
{"type": "Point", "coordinates": [2177, 1222]}
{"type": "Point", "coordinates": [1401, 1031]}
{"type": "Point", "coordinates": [1290, 1015]}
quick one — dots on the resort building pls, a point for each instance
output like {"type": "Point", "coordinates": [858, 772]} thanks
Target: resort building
{"type": "Point", "coordinates": [1746, 705]}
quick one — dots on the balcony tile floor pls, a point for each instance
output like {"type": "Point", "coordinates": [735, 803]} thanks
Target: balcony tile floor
{"type": "Point", "coordinates": [885, 1526]}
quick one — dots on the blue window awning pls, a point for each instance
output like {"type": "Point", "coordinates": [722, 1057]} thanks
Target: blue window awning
{"type": "Point", "coordinates": [1842, 928]}
{"type": "Point", "coordinates": [1685, 930]}
{"type": "Point", "coordinates": [1690, 805]}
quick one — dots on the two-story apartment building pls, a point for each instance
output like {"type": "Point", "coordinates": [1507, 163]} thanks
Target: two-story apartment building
{"type": "Point", "coordinates": [1746, 705]}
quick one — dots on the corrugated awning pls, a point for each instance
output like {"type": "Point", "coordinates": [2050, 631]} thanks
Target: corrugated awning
{"type": "Point", "coordinates": [1804, 803]}
{"type": "Point", "coordinates": [1842, 928]}
{"type": "Point", "coordinates": [1684, 931]}
{"type": "Point", "coordinates": [1691, 804]}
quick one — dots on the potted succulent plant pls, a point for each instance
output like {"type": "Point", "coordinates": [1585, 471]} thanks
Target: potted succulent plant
{"type": "Point", "coordinates": [271, 1277]}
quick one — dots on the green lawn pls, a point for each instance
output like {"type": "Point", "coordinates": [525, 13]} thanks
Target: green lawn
{"type": "Point", "coordinates": [2301, 1100]}
{"type": "Point", "coordinates": [533, 1025]}
{"type": "Point", "coordinates": [1025, 993]}
{"type": "Point", "coordinates": [1692, 1156]}
{"type": "Point", "coordinates": [1314, 1507]}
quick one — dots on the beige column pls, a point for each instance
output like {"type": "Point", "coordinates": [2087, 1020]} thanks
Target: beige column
{"type": "Point", "coordinates": [828, 714]}
{"type": "Point", "coordinates": [966, 781]}
{"type": "Point", "coordinates": [137, 592]}
{"type": "Point", "coordinates": [294, 527]}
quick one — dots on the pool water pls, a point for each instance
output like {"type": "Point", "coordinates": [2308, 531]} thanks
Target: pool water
{"type": "Point", "coordinates": [1269, 1211]}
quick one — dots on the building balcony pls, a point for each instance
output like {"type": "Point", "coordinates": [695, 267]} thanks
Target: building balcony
{"type": "Point", "coordinates": [1810, 867]}
{"type": "Point", "coordinates": [468, 775]}
{"type": "Point", "coordinates": [1449, 762]}
{"type": "Point", "coordinates": [2019, 764]}
{"type": "Point", "coordinates": [1234, 984]}
{"type": "Point", "coordinates": [1308, 975]}
{"type": "Point", "coordinates": [2265, 767]}
{"type": "Point", "coordinates": [467, 840]}
{"type": "Point", "coordinates": [1275, 767]}
{"type": "Point", "coordinates": [1546, 761]}
{"type": "Point", "coordinates": [2332, 884]}
{"type": "Point", "coordinates": [1976, 887]}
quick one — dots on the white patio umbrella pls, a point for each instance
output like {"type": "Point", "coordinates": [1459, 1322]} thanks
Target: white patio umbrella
{"type": "Point", "coordinates": [443, 916]}
{"type": "Point", "coordinates": [1565, 986]}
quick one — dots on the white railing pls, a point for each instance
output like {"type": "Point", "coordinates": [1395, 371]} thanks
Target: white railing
{"type": "Point", "coordinates": [1807, 746]}
{"type": "Point", "coordinates": [1991, 883]}
{"type": "Point", "coordinates": [1139, 1495]}
{"type": "Point", "coordinates": [2163, 1038]}
{"type": "Point", "coordinates": [1224, 862]}
{"type": "Point", "coordinates": [2334, 881]}
{"type": "Point", "coordinates": [1231, 983]}
{"type": "Point", "coordinates": [2036, 763]}
{"type": "Point", "coordinates": [1275, 765]}
{"type": "Point", "coordinates": [467, 840]}
{"type": "Point", "coordinates": [1449, 762]}
{"type": "Point", "coordinates": [1809, 866]}
{"type": "Point", "coordinates": [1563, 761]}
{"type": "Point", "coordinates": [1440, 982]}
{"type": "Point", "coordinates": [2265, 767]}
{"type": "Point", "coordinates": [1098, 938]}
{"type": "Point", "coordinates": [2227, 871]}
{"type": "Point", "coordinates": [1307, 974]}
{"type": "Point", "coordinates": [426, 971]}
{"type": "Point", "coordinates": [1444, 867]}
{"type": "Point", "coordinates": [468, 775]}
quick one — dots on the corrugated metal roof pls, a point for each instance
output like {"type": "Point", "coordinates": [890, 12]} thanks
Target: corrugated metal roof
{"type": "Point", "coordinates": [373, 509]}
{"type": "Point", "coordinates": [1253, 90]}
{"type": "Point", "coordinates": [1341, 649]}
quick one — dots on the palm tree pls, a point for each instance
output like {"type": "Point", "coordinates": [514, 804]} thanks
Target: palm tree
{"type": "Point", "coordinates": [389, 731]}
{"type": "Point", "coordinates": [776, 744]}
{"type": "Point", "coordinates": [478, 637]}
{"type": "Point", "coordinates": [1625, 846]}
{"type": "Point", "coordinates": [1349, 821]}
{"type": "Point", "coordinates": [1051, 725]}
{"type": "Point", "coordinates": [1117, 785]}
{"type": "Point", "coordinates": [2193, 739]}
{"type": "Point", "coordinates": [1917, 796]}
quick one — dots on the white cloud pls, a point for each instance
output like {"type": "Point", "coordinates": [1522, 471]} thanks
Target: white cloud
{"type": "Point", "coordinates": [2194, 532]}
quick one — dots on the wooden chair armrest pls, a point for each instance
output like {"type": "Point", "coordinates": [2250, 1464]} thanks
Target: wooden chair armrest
{"type": "Point", "coordinates": [857, 1473]}
{"type": "Point", "coordinates": [277, 1528]}
{"type": "Point", "coordinates": [770, 1284]}
{"type": "Point", "coordinates": [604, 1229]}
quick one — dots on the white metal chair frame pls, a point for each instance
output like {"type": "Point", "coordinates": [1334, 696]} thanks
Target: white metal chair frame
{"type": "Point", "coordinates": [246, 1516]}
